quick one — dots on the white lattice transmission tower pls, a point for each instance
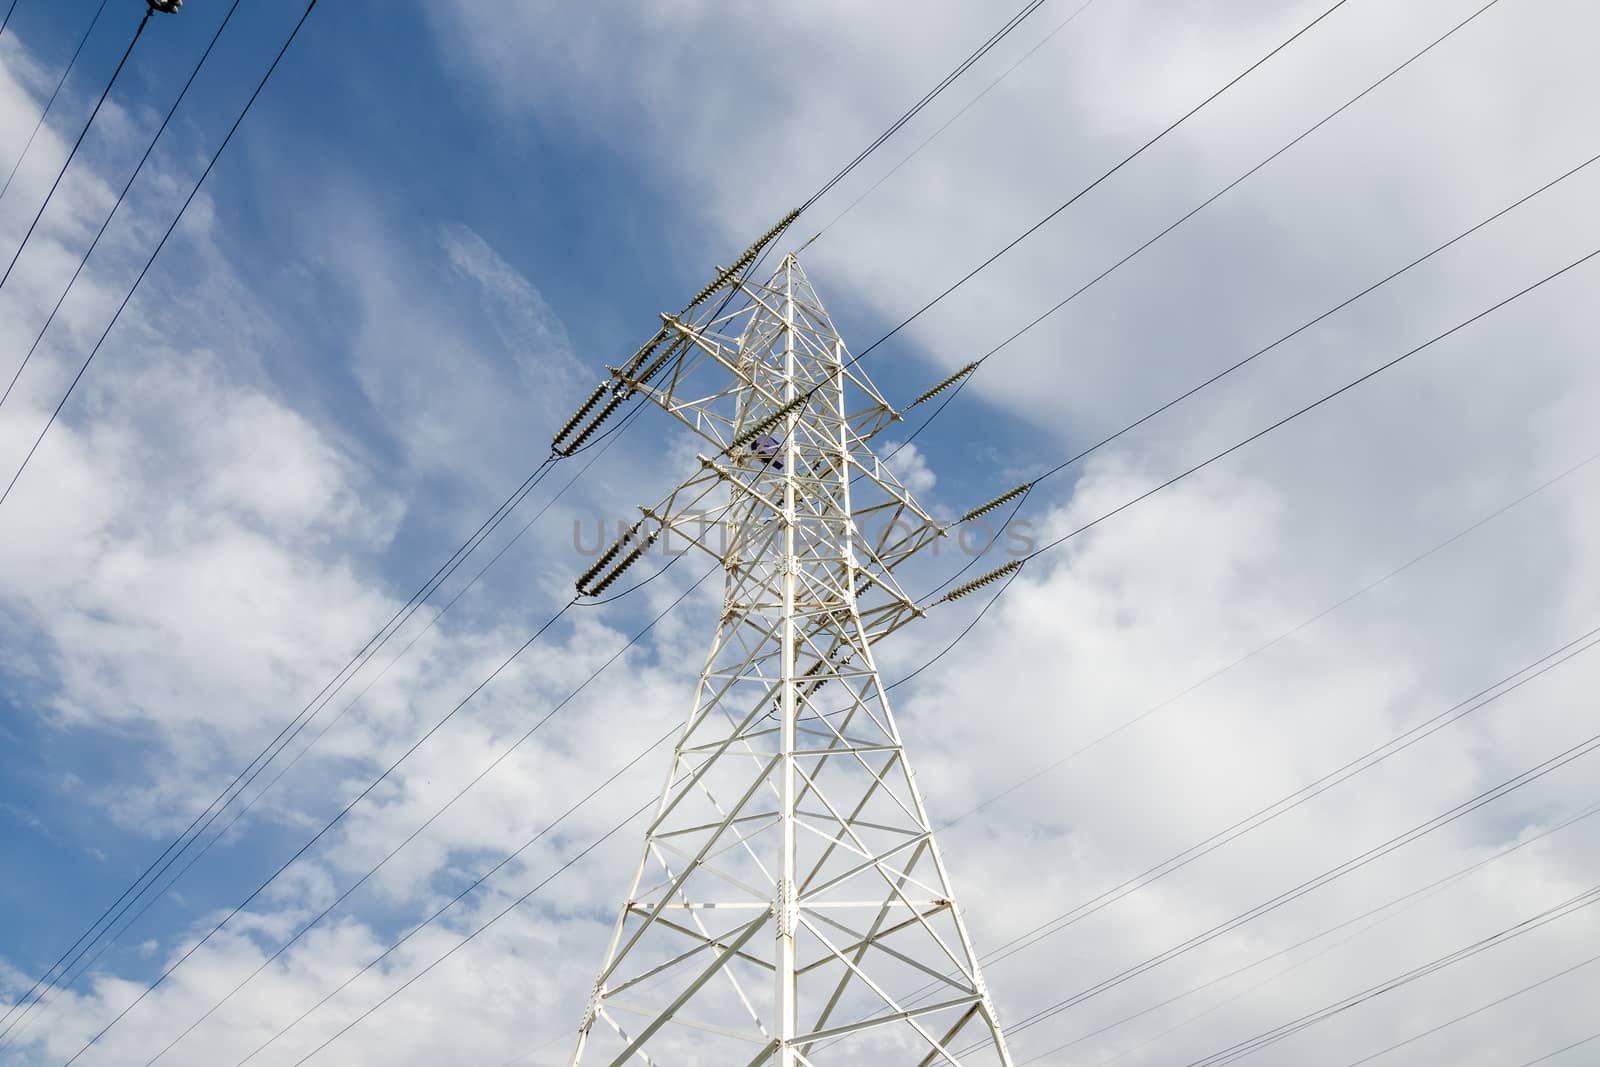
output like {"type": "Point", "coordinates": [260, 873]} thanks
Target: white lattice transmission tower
{"type": "Point", "coordinates": [791, 905]}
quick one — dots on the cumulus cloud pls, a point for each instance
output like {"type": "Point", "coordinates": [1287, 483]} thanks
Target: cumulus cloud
{"type": "Point", "coordinates": [187, 579]}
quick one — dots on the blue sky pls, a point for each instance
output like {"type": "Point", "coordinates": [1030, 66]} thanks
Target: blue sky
{"type": "Point", "coordinates": [437, 223]}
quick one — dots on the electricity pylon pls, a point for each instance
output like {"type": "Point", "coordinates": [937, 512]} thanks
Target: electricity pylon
{"type": "Point", "coordinates": [791, 906]}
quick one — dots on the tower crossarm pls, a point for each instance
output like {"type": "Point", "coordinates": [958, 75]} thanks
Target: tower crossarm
{"type": "Point", "coordinates": [694, 371]}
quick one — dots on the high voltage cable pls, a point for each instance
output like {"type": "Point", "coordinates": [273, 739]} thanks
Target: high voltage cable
{"type": "Point", "coordinates": [87, 123]}
{"type": "Point", "coordinates": [944, 83]}
{"type": "Point", "coordinates": [1560, 1051]}
{"type": "Point", "coordinates": [84, 260]}
{"type": "Point", "coordinates": [268, 753]}
{"type": "Point", "coordinates": [1393, 844]}
{"type": "Point", "coordinates": [96, 348]}
{"type": "Point", "coordinates": [1173, 402]}
{"type": "Point", "coordinates": [53, 94]}
{"type": "Point", "coordinates": [1336, 5]}
{"type": "Point", "coordinates": [306, 927]}
{"type": "Point", "coordinates": [479, 930]}
{"type": "Point", "coordinates": [417, 976]}
{"type": "Point", "coordinates": [394, 765]}
{"type": "Point", "coordinates": [1080, 194]}
{"type": "Point", "coordinates": [1463, 533]}
{"type": "Point", "coordinates": [294, 727]}
{"type": "Point", "coordinates": [1250, 1046]}
{"type": "Point", "coordinates": [975, 271]}
{"type": "Point", "coordinates": [1364, 378]}
{"type": "Point", "coordinates": [557, 821]}
{"type": "Point", "coordinates": [1400, 906]}
{"type": "Point", "coordinates": [13, 482]}
{"type": "Point", "coordinates": [1107, 272]}
{"type": "Point", "coordinates": [952, 120]}
{"type": "Point", "coordinates": [596, 843]}
{"type": "Point", "coordinates": [634, 762]}
{"type": "Point", "coordinates": [618, 654]}
{"type": "Point", "coordinates": [1477, 1011]}
{"type": "Point", "coordinates": [162, 243]}
{"type": "Point", "coordinates": [845, 171]}
{"type": "Point", "coordinates": [1280, 638]}
{"type": "Point", "coordinates": [1015, 567]}
{"type": "Point", "coordinates": [438, 579]}
{"type": "Point", "coordinates": [1270, 812]}
{"type": "Point", "coordinates": [500, 864]}
{"type": "Point", "coordinates": [7, 20]}
{"type": "Point", "coordinates": [855, 162]}
{"type": "Point", "coordinates": [329, 825]}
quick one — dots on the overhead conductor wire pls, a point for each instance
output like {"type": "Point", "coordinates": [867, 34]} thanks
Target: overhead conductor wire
{"type": "Point", "coordinates": [1348, 386]}
{"type": "Point", "coordinates": [960, 380]}
{"type": "Point", "coordinates": [1011, 25]}
{"type": "Point", "coordinates": [1384, 913]}
{"type": "Point", "coordinates": [262, 84]}
{"type": "Point", "coordinates": [84, 260]}
{"type": "Point", "coordinates": [137, 33]}
{"type": "Point", "coordinates": [329, 825]}
{"type": "Point", "coordinates": [94, 21]}
{"type": "Point", "coordinates": [1250, 1046]}
{"type": "Point", "coordinates": [1258, 64]}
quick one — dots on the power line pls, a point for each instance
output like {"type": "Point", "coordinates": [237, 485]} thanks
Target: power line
{"type": "Point", "coordinates": [1395, 907]}
{"type": "Point", "coordinates": [53, 94]}
{"type": "Point", "coordinates": [496, 867]}
{"type": "Point", "coordinates": [1505, 788]}
{"type": "Point", "coordinates": [1477, 1011]}
{"type": "Point", "coordinates": [157, 250]}
{"type": "Point", "coordinates": [1393, 844]}
{"type": "Point", "coordinates": [1366, 377]}
{"type": "Point", "coordinates": [1562, 1050]}
{"type": "Point", "coordinates": [344, 676]}
{"type": "Point", "coordinates": [1285, 420]}
{"type": "Point", "coordinates": [1080, 194]}
{"type": "Point", "coordinates": [1046, 39]}
{"type": "Point", "coordinates": [329, 825]}
{"type": "Point", "coordinates": [1164, 232]}
{"type": "Point", "coordinates": [1490, 694]}
{"type": "Point", "coordinates": [285, 736]}
{"type": "Point", "coordinates": [596, 843]}
{"type": "Point", "coordinates": [1346, 387]}
{"type": "Point", "coordinates": [1403, 740]}
{"type": "Point", "coordinates": [929, 97]}
{"type": "Point", "coordinates": [84, 260]}
{"type": "Point", "coordinates": [306, 928]}
{"type": "Point", "coordinates": [857, 357]}
{"type": "Point", "coordinates": [1015, 568]}
{"type": "Point", "coordinates": [1279, 639]}
{"type": "Point", "coordinates": [7, 20]}
{"type": "Point", "coordinates": [319, 703]}
{"type": "Point", "coordinates": [137, 33]}
{"type": "Point", "coordinates": [1549, 915]}
{"type": "Point", "coordinates": [439, 724]}
{"type": "Point", "coordinates": [944, 83]}
{"type": "Point", "coordinates": [618, 654]}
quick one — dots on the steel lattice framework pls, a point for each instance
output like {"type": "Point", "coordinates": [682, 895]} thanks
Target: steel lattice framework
{"type": "Point", "coordinates": [790, 906]}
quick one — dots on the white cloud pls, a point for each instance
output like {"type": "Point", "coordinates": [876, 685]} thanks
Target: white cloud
{"type": "Point", "coordinates": [197, 568]}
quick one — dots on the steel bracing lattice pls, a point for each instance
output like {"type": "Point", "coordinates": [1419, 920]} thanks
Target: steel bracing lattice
{"type": "Point", "coordinates": [790, 903]}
